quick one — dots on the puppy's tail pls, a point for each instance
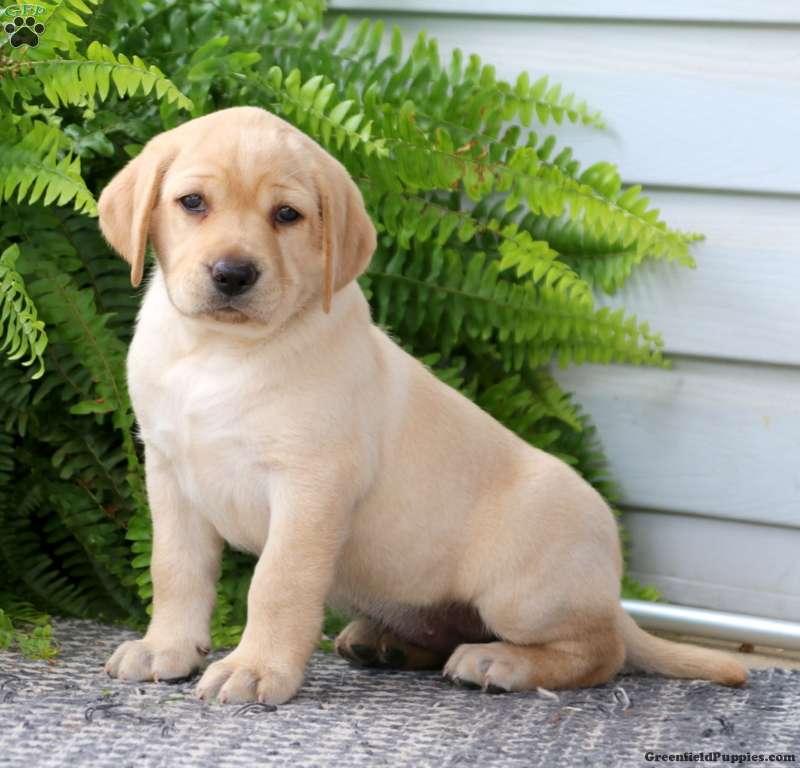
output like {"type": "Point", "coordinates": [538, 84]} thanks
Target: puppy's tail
{"type": "Point", "coordinates": [649, 653]}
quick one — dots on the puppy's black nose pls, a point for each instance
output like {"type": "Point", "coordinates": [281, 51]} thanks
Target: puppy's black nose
{"type": "Point", "coordinates": [233, 277]}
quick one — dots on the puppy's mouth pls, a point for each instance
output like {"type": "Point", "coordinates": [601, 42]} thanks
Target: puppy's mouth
{"type": "Point", "coordinates": [228, 314]}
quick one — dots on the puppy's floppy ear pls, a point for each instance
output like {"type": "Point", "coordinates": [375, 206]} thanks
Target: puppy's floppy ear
{"type": "Point", "coordinates": [128, 200]}
{"type": "Point", "coordinates": [348, 235]}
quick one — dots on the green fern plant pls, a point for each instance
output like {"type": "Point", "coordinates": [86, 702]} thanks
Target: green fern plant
{"type": "Point", "coordinates": [23, 332]}
{"type": "Point", "coordinates": [492, 245]}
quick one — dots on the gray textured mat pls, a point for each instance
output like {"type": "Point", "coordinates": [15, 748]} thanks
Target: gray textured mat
{"type": "Point", "coordinates": [71, 713]}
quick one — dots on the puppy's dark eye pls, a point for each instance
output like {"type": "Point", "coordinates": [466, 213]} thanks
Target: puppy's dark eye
{"type": "Point", "coordinates": [193, 203]}
{"type": "Point", "coordinates": [286, 215]}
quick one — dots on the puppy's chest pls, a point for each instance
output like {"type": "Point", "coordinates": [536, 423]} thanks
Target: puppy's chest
{"type": "Point", "coordinates": [203, 421]}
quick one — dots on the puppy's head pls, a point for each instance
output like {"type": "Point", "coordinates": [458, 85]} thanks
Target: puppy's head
{"type": "Point", "coordinates": [250, 219]}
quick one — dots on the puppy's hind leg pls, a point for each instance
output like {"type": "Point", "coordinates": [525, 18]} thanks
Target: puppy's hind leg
{"type": "Point", "coordinates": [575, 650]}
{"type": "Point", "coordinates": [367, 643]}
{"type": "Point", "coordinates": [501, 667]}
{"type": "Point", "coordinates": [358, 641]}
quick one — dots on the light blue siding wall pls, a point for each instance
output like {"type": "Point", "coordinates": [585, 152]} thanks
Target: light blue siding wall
{"type": "Point", "coordinates": [703, 106]}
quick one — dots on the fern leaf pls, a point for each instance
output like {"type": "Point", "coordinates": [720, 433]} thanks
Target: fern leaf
{"type": "Point", "coordinates": [470, 94]}
{"type": "Point", "coordinates": [547, 190]}
{"type": "Point", "coordinates": [31, 168]}
{"type": "Point", "coordinates": [408, 217]}
{"type": "Point", "coordinates": [79, 80]}
{"type": "Point", "coordinates": [309, 104]}
{"type": "Point", "coordinates": [22, 331]}
{"type": "Point", "coordinates": [532, 324]}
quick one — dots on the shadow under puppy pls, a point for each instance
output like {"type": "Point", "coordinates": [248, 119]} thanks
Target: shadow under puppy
{"type": "Point", "coordinates": [277, 417]}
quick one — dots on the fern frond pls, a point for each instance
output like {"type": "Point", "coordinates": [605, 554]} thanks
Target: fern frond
{"type": "Point", "coordinates": [26, 627]}
{"type": "Point", "coordinates": [66, 17]}
{"type": "Point", "coordinates": [603, 262]}
{"type": "Point", "coordinates": [544, 187]}
{"type": "Point", "coordinates": [73, 318]}
{"type": "Point", "coordinates": [21, 610]}
{"type": "Point", "coordinates": [523, 100]}
{"type": "Point", "coordinates": [469, 94]}
{"type": "Point", "coordinates": [16, 388]}
{"type": "Point", "coordinates": [230, 612]}
{"type": "Point", "coordinates": [22, 331]}
{"type": "Point", "coordinates": [28, 537]}
{"type": "Point", "coordinates": [102, 540]}
{"type": "Point", "coordinates": [414, 217]}
{"type": "Point", "coordinates": [458, 300]}
{"type": "Point", "coordinates": [79, 80]}
{"type": "Point", "coordinates": [31, 167]}
{"type": "Point", "coordinates": [309, 103]}
{"type": "Point", "coordinates": [75, 324]}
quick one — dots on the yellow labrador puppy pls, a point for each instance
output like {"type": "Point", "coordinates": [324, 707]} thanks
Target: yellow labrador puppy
{"type": "Point", "coordinates": [277, 417]}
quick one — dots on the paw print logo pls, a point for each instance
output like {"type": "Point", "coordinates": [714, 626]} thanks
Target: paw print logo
{"type": "Point", "coordinates": [24, 31]}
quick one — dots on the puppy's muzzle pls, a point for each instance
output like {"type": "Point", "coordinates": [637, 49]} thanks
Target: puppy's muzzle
{"type": "Point", "coordinates": [232, 277]}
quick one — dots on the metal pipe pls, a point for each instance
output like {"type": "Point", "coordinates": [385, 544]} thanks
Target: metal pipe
{"type": "Point", "coordinates": [737, 627]}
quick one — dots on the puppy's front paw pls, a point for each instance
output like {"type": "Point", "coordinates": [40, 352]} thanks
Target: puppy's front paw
{"type": "Point", "coordinates": [240, 677]}
{"type": "Point", "coordinates": [138, 660]}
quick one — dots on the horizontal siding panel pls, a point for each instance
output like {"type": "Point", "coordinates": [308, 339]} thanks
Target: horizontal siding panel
{"type": "Point", "coordinates": [769, 11]}
{"type": "Point", "coordinates": [741, 302]}
{"type": "Point", "coordinates": [704, 107]}
{"type": "Point", "coordinates": [704, 438]}
{"type": "Point", "coordinates": [725, 565]}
